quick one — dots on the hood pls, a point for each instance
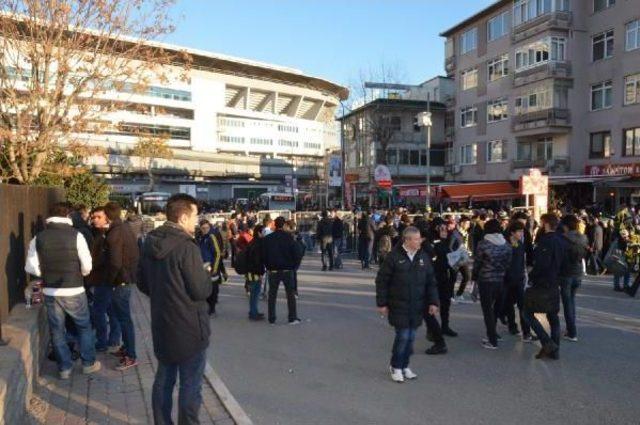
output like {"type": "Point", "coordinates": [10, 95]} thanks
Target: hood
{"type": "Point", "coordinates": [575, 237]}
{"type": "Point", "coordinates": [495, 238]}
{"type": "Point", "coordinates": [161, 241]}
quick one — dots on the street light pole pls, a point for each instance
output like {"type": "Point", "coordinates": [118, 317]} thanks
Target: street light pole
{"type": "Point", "coordinates": [424, 120]}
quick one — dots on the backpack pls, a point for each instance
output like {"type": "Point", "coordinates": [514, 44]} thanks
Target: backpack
{"type": "Point", "coordinates": [241, 263]}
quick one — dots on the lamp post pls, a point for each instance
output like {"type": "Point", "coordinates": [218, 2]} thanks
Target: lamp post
{"type": "Point", "coordinates": [424, 120]}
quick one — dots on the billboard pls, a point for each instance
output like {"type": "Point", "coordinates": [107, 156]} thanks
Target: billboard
{"type": "Point", "coordinates": [335, 171]}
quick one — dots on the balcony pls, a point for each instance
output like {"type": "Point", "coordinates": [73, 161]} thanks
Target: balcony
{"type": "Point", "coordinates": [548, 21]}
{"type": "Point", "coordinates": [449, 134]}
{"type": "Point", "coordinates": [559, 70]}
{"type": "Point", "coordinates": [450, 64]}
{"type": "Point", "coordinates": [555, 165]}
{"type": "Point", "coordinates": [552, 120]}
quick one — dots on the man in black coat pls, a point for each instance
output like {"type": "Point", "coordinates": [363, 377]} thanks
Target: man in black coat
{"type": "Point", "coordinates": [405, 288]}
{"type": "Point", "coordinates": [543, 295]}
{"type": "Point", "coordinates": [324, 235]}
{"type": "Point", "coordinates": [173, 274]}
{"type": "Point", "coordinates": [337, 230]}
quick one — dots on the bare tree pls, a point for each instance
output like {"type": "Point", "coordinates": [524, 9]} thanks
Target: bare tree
{"type": "Point", "coordinates": [65, 65]}
{"type": "Point", "coordinates": [150, 148]}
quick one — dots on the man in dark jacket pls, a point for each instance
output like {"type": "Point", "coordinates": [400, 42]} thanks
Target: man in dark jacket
{"type": "Point", "coordinates": [281, 256]}
{"type": "Point", "coordinates": [543, 295]}
{"type": "Point", "coordinates": [337, 231]}
{"type": "Point", "coordinates": [107, 336]}
{"type": "Point", "coordinates": [571, 274]}
{"type": "Point", "coordinates": [595, 234]}
{"type": "Point", "coordinates": [123, 254]}
{"type": "Point", "coordinates": [173, 274]}
{"type": "Point", "coordinates": [405, 288]}
{"type": "Point", "coordinates": [515, 280]}
{"type": "Point", "coordinates": [324, 235]}
{"type": "Point", "coordinates": [212, 251]}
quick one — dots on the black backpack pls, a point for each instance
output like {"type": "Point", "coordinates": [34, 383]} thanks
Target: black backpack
{"type": "Point", "coordinates": [241, 262]}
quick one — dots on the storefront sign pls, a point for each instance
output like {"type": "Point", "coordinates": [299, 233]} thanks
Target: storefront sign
{"type": "Point", "coordinates": [382, 173]}
{"type": "Point", "coordinates": [534, 184]}
{"type": "Point", "coordinates": [351, 178]}
{"type": "Point", "coordinates": [612, 170]}
{"type": "Point", "coordinates": [335, 171]}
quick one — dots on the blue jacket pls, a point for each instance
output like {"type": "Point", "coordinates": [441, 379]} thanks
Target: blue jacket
{"type": "Point", "coordinates": [211, 250]}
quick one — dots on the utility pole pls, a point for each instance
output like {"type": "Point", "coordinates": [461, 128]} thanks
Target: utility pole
{"type": "Point", "coordinates": [424, 120]}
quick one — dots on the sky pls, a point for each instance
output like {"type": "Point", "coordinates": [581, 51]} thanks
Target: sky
{"type": "Point", "coordinates": [338, 40]}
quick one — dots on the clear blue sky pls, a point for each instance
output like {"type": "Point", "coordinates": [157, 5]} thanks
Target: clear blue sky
{"type": "Point", "coordinates": [333, 39]}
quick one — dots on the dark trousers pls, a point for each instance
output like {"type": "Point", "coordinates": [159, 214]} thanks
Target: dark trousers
{"type": "Point", "coordinates": [122, 310]}
{"type": "Point", "coordinates": [595, 261]}
{"type": "Point", "coordinates": [106, 333]}
{"type": "Point", "coordinates": [554, 324]}
{"type": "Point", "coordinates": [363, 251]}
{"type": "Point", "coordinates": [286, 277]}
{"type": "Point", "coordinates": [490, 298]}
{"type": "Point", "coordinates": [514, 295]}
{"type": "Point", "coordinates": [189, 394]}
{"type": "Point", "coordinates": [465, 271]}
{"type": "Point", "coordinates": [445, 292]}
{"type": "Point", "coordinates": [434, 329]}
{"type": "Point", "coordinates": [568, 288]}
{"type": "Point", "coordinates": [213, 298]}
{"type": "Point", "coordinates": [327, 251]}
{"type": "Point", "coordinates": [402, 347]}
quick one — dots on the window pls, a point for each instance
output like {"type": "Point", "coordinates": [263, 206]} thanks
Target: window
{"type": "Point", "coordinates": [469, 79]}
{"type": "Point", "coordinates": [498, 68]}
{"type": "Point", "coordinates": [540, 150]}
{"type": "Point", "coordinates": [468, 116]}
{"type": "Point", "coordinates": [533, 101]}
{"type": "Point", "coordinates": [632, 89]}
{"type": "Point", "coordinates": [468, 154]}
{"type": "Point", "coordinates": [527, 10]}
{"type": "Point", "coordinates": [468, 41]}
{"type": "Point", "coordinates": [497, 110]}
{"type": "Point", "coordinates": [602, 45]}
{"type": "Point", "coordinates": [287, 128]}
{"type": "Point", "coordinates": [392, 157]}
{"type": "Point", "coordinates": [601, 95]}
{"type": "Point", "coordinates": [600, 145]}
{"type": "Point", "coordinates": [288, 143]}
{"type": "Point", "coordinates": [496, 151]}
{"type": "Point", "coordinates": [260, 141]}
{"type": "Point", "coordinates": [311, 145]}
{"type": "Point", "coordinates": [534, 54]}
{"type": "Point", "coordinates": [395, 124]}
{"type": "Point", "coordinates": [633, 35]}
{"type": "Point", "coordinates": [631, 142]}
{"type": "Point", "coordinates": [414, 157]}
{"type": "Point", "coordinates": [498, 26]}
{"type": "Point", "coordinates": [599, 5]}
{"type": "Point", "coordinates": [232, 139]}
{"type": "Point", "coordinates": [136, 129]}
{"type": "Point", "coordinates": [404, 157]}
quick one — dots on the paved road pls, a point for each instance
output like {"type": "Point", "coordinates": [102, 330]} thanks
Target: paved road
{"type": "Point", "coordinates": [332, 369]}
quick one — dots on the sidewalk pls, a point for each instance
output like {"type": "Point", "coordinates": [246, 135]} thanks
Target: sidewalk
{"type": "Point", "coordinates": [109, 396]}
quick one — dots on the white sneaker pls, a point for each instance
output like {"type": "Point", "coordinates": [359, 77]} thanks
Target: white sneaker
{"type": "Point", "coordinates": [65, 374]}
{"type": "Point", "coordinates": [408, 373]}
{"type": "Point", "coordinates": [396, 375]}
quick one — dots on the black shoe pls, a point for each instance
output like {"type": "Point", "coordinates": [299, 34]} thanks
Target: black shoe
{"type": "Point", "coordinates": [430, 337]}
{"type": "Point", "coordinates": [272, 321]}
{"type": "Point", "coordinates": [324, 268]}
{"type": "Point", "coordinates": [449, 332]}
{"type": "Point", "coordinates": [548, 350]}
{"type": "Point", "coordinates": [257, 318]}
{"type": "Point", "coordinates": [436, 349]}
{"type": "Point", "coordinates": [541, 354]}
{"type": "Point", "coordinates": [513, 330]}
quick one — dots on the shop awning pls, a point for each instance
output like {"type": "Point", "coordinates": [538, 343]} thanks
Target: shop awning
{"type": "Point", "coordinates": [488, 191]}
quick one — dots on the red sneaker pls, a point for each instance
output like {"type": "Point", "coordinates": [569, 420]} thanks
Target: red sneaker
{"type": "Point", "coordinates": [126, 362]}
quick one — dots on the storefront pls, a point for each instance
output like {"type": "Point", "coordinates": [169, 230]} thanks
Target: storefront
{"type": "Point", "coordinates": [614, 184]}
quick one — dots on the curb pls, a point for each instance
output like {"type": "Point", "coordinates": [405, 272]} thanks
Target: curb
{"type": "Point", "coordinates": [236, 411]}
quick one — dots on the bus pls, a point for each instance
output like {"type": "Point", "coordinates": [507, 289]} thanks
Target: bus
{"type": "Point", "coordinates": [277, 201]}
{"type": "Point", "coordinates": [152, 203]}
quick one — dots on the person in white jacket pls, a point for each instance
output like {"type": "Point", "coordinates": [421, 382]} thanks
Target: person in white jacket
{"type": "Point", "coordinates": [60, 256]}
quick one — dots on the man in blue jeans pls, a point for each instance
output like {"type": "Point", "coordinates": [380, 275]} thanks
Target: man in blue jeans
{"type": "Point", "coordinates": [571, 274]}
{"type": "Point", "coordinates": [60, 255]}
{"type": "Point", "coordinates": [173, 274]}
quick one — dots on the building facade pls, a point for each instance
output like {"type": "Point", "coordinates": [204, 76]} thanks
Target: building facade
{"type": "Point", "coordinates": [550, 84]}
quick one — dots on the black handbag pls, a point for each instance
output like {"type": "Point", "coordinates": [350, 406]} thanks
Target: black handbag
{"type": "Point", "coordinates": [542, 299]}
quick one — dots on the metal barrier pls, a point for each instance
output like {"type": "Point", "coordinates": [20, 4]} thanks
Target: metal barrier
{"type": "Point", "coordinates": [274, 214]}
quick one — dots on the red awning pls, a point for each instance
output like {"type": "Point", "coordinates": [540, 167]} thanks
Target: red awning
{"type": "Point", "coordinates": [488, 191]}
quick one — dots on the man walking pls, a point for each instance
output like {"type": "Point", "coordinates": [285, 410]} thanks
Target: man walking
{"type": "Point", "coordinates": [60, 255]}
{"type": "Point", "coordinates": [324, 235]}
{"type": "Point", "coordinates": [405, 288]}
{"type": "Point", "coordinates": [123, 254]}
{"type": "Point", "coordinates": [281, 256]}
{"type": "Point", "coordinates": [173, 274]}
{"type": "Point", "coordinates": [337, 230]}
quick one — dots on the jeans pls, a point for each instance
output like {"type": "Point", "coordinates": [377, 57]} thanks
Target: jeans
{"type": "Point", "coordinates": [627, 279]}
{"type": "Point", "coordinates": [568, 288]}
{"type": "Point", "coordinates": [254, 294]}
{"type": "Point", "coordinates": [363, 252]}
{"type": "Point", "coordinates": [337, 247]}
{"type": "Point", "coordinates": [286, 277]}
{"type": "Point", "coordinates": [434, 329]}
{"type": "Point", "coordinates": [595, 262]}
{"type": "Point", "coordinates": [327, 250]}
{"type": "Point", "coordinates": [402, 347]}
{"type": "Point", "coordinates": [122, 310]}
{"type": "Point", "coordinates": [102, 309]}
{"type": "Point", "coordinates": [189, 394]}
{"type": "Point", "coordinates": [490, 298]}
{"type": "Point", "coordinates": [77, 308]}
{"type": "Point", "coordinates": [554, 323]}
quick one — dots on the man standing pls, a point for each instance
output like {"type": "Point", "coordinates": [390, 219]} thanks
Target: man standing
{"type": "Point", "coordinates": [461, 238]}
{"type": "Point", "coordinates": [324, 235]}
{"type": "Point", "coordinates": [60, 255]}
{"type": "Point", "coordinates": [281, 257]}
{"type": "Point", "coordinates": [543, 295]}
{"type": "Point", "coordinates": [405, 288]}
{"type": "Point", "coordinates": [173, 274]}
{"type": "Point", "coordinates": [571, 273]}
{"type": "Point", "coordinates": [123, 254]}
{"type": "Point", "coordinates": [337, 230]}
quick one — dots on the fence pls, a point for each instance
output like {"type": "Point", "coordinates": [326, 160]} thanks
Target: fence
{"type": "Point", "coordinates": [23, 210]}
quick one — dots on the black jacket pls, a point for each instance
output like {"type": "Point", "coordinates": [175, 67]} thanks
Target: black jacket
{"type": "Point", "coordinates": [280, 251]}
{"type": "Point", "coordinates": [517, 270]}
{"type": "Point", "coordinates": [324, 229]}
{"type": "Point", "coordinates": [123, 253]}
{"type": "Point", "coordinates": [255, 265]}
{"type": "Point", "coordinates": [406, 287]}
{"type": "Point", "coordinates": [549, 257]}
{"type": "Point", "coordinates": [337, 228]}
{"type": "Point", "coordinates": [98, 248]}
{"type": "Point", "coordinates": [57, 248]}
{"type": "Point", "coordinates": [172, 274]}
{"type": "Point", "coordinates": [577, 246]}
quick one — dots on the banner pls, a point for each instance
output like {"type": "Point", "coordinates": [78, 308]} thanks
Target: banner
{"type": "Point", "coordinates": [335, 171]}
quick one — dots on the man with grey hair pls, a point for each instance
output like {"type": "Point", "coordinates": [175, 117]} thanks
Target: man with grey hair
{"type": "Point", "coordinates": [405, 290]}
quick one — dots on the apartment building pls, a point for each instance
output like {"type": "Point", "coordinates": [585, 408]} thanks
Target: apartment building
{"type": "Point", "coordinates": [550, 84]}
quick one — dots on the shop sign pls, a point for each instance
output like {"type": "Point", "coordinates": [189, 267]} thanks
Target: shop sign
{"type": "Point", "coordinates": [534, 183]}
{"type": "Point", "coordinates": [351, 178]}
{"type": "Point", "coordinates": [612, 170]}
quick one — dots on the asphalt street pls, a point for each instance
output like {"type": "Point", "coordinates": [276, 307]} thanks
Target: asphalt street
{"type": "Point", "coordinates": [333, 368]}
